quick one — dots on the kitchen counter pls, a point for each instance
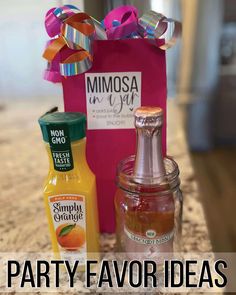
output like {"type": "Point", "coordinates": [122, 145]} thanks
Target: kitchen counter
{"type": "Point", "coordinates": [24, 165]}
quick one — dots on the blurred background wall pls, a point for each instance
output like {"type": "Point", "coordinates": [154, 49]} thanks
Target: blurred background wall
{"type": "Point", "coordinates": [22, 40]}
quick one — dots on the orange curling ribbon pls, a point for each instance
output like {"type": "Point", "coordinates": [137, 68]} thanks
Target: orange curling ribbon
{"type": "Point", "coordinates": [77, 33]}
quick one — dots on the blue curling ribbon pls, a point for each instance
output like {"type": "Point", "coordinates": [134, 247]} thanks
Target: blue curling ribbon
{"type": "Point", "coordinates": [115, 23]}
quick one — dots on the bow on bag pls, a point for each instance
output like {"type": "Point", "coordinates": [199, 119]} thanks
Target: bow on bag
{"type": "Point", "coordinates": [69, 27]}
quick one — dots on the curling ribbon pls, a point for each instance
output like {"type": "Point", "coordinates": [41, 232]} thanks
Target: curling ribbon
{"type": "Point", "coordinates": [127, 17]}
{"type": "Point", "coordinates": [153, 25]}
{"type": "Point", "coordinates": [76, 30]}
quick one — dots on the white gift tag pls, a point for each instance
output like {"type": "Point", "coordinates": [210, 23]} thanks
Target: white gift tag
{"type": "Point", "coordinates": [111, 99]}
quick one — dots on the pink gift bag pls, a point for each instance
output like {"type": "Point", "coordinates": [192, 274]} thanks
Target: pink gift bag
{"type": "Point", "coordinates": [125, 75]}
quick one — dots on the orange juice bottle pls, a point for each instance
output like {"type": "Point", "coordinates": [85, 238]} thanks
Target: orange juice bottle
{"type": "Point", "coordinates": [70, 187]}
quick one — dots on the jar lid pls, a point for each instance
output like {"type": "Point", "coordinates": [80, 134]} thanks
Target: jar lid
{"type": "Point", "coordinates": [75, 122]}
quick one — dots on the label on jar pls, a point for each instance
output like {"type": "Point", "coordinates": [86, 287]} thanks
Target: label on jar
{"type": "Point", "coordinates": [150, 237]}
{"type": "Point", "coordinates": [69, 219]}
{"type": "Point", "coordinates": [60, 145]}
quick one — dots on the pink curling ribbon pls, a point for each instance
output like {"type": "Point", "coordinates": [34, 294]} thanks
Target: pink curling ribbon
{"type": "Point", "coordinates": [55, 16]}
{"type": "Point", "coordinates": [127, 16]}
{"type": "Point", "coordinates": [71, 28]}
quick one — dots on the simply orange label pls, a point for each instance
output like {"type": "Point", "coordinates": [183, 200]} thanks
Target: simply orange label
{"type": "Point", "coordinates": [69, 219]}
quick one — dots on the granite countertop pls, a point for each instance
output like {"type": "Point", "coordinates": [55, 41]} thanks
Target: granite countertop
{"type": "Point", "coordinates": [23, 168]}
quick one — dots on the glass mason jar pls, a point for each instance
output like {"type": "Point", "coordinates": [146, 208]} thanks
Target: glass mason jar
{"type": "Point", "coordinates": [148, 216]}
